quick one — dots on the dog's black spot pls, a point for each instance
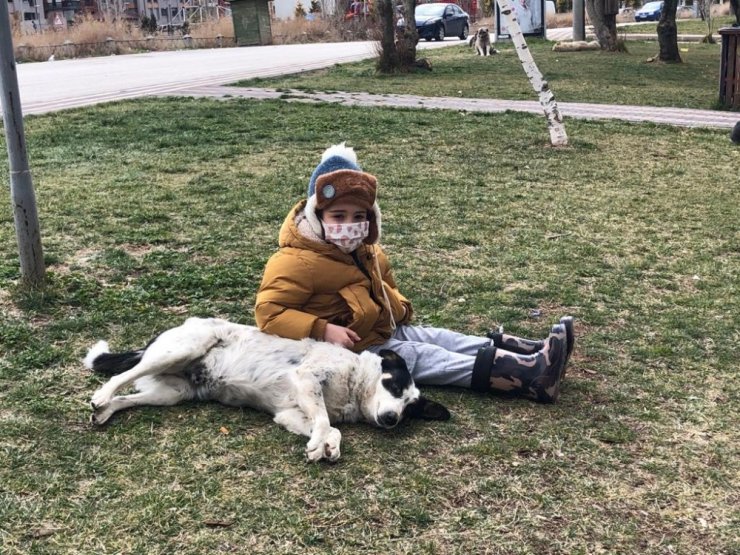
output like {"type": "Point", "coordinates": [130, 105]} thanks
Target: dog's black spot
{"type": "Point", "coordinates": [294, 361]}
{"type": "Point", "coordinates": [400, 377]}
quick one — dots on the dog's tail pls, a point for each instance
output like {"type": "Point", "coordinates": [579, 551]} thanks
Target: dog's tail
{"type": "Point", "coordinates": [100, 359]}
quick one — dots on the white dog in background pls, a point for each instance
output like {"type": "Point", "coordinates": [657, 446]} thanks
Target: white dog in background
{"type": "Point", "coordinates": [306, 385]}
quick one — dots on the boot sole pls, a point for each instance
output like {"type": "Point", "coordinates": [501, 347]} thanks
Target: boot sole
{"type": "Point", "coordinates": [570, 338]}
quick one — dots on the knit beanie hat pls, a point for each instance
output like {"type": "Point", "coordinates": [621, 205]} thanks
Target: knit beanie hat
{"type": "Point", "coordinates": [339, 176]}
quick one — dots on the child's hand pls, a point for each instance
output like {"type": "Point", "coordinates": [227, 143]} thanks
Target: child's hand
{"type": "Point", "coordinates": [340, 335]}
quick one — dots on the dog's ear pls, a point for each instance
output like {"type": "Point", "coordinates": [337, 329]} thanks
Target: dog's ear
{"type": "Point", "coordinates": [391, 357]}
{"type": "Point", "coordinates": [424, 409]}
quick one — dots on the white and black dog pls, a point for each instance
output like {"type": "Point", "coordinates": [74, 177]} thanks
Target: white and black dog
{"type": "Point", "coordinates": [306, 385]}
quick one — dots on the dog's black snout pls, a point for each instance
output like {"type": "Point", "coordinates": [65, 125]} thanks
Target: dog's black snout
{"type": "Point", "coordinates": [388, 419]}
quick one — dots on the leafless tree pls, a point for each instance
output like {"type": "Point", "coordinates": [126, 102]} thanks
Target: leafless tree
{"type": "Point", "coordinates": [603, 16]}
{"type": "Point", "coordinates": [668, 33]}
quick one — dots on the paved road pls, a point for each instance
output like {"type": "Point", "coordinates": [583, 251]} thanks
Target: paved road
{"type": "Point", "coordinates": [50, 86]}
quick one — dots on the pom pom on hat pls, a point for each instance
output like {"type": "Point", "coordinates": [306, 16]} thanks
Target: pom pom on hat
{"type": "Point", "coordinates": [337, 157]}
{"type": "Point", "coordinates": [337, 176]}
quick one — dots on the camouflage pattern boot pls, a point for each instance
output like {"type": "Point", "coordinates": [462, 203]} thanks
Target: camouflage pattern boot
{"type": "Point", "coordinates": [570, 336]}
{"type": "Point", "coordinates": [524, 346]}
{"type": "Point", "coordinates": [515, 344]}
{"type": "Point", "coordinates": [535, 376]}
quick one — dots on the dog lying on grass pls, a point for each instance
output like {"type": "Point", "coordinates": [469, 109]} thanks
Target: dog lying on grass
{"type": "Point", "coordinates": [306, 385]}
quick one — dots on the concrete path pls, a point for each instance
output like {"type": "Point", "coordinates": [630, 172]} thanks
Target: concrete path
{"type": "Point", "coordinates": [671, 116]}
{"type": "Point", "coordinates": [650, 34]}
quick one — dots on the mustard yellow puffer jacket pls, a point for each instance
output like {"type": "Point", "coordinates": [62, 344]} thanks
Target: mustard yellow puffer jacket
{"type": "Point", "coordinates": [309, 283]}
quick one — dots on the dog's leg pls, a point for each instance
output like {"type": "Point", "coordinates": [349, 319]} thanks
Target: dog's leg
{"type": "Point", "coordinates": [324, 440]}
{"type": "Point", "coordinates": [162, 391]}
{"type": "Point", "coordinates": [295, 421]}
{"type": "Point", "coordinates": [170, 351]}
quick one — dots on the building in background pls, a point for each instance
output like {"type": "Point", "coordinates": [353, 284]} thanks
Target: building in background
{"type": "Point", "coordinates": [29, 13]}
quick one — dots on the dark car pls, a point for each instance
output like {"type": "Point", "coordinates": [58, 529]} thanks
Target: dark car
{"type": "Point", "coordinates": [437, 21]}
{"type": "Point", "coordinates": [649, 12]}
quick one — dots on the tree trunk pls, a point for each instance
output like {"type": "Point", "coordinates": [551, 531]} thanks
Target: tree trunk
{"type": "Point", "coordinates": [735, 10]}
{"type": "Point", "coordinates": [388, 61]}
{"type": "Point", "coordinates": [668, 33]}
{"type": "Point", "coordinates": [604, 23]}
{"type": "Point", "coordinates": [409, 37]}
{"type": "Point", "coordinates": [558, 136]}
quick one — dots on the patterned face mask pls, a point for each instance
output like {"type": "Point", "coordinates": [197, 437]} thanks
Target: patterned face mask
{"type": "Point", "coordinates": [347, 237]}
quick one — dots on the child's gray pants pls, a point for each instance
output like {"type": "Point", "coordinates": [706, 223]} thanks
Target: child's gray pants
{"type": "Point", "coordinates": [435, 356]}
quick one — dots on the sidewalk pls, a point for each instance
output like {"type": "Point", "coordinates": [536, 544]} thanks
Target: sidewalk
{"type": "Point", "coordinates": [670, 116]}
{"type": "Point", "coordinates": [566, 33]}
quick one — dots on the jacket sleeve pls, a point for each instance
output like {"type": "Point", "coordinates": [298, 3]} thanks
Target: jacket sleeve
{"type": "Point", "coordinates": [287, 285]}
{"type": "Point", "coordinates": [392, 290]}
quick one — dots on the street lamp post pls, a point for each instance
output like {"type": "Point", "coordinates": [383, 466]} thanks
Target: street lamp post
{"type": "Point", "coordinates": [21, 186]}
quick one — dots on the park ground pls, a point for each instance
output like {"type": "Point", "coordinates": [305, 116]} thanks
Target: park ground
{"type": "Point", "coordinates": [632, 229]}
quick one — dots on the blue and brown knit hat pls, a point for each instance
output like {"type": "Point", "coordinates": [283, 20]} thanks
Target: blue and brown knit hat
{"type": "Point", "coordinates": [339, 176]}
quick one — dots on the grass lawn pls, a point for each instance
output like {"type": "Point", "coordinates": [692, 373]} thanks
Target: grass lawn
{"type": "Point", "coordinates": [685, 26]}
{"type": "Point", "coordinates": [574, 76]}
{"type": "Point", "coordinates": [633, 229]}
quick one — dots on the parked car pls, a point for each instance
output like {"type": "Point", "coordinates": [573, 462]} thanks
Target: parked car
{"type": "Point", "coordinates": [437, 21]}
{"type": "Point", "coordinates": [649, 12]}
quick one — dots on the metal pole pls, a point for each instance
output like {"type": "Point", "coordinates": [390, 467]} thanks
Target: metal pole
{"type": "Point", "coordinates": [21, 185]}
{"type": "Point", "coordinates": [579, 26]}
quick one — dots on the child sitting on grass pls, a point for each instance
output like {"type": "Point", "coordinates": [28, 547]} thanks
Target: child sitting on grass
{"type": "Point", "coordinates": [331, 281]}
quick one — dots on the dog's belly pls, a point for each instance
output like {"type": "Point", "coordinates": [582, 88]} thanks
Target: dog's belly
{"type": "Point", "coordinates": [244, 371]}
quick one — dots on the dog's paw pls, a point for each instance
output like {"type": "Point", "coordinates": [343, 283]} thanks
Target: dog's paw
{"type": "Point", "coordinates": [324, 447]}
{"type": "Point", "coordinates": [100, 417]}
{"type": "Point", "coordinates": [100, 400]}
{"type": "Point", "coordinates": [331, 447]}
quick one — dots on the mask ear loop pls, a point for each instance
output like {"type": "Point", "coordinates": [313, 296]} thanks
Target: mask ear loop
{"type": "Point", "coordinates": [382, 286]}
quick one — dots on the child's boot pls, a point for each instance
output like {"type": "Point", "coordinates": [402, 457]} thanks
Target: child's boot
{"type": "Point", "coordinates": [523, 346]}
{"type": "Point", "coordinates": [536, 376]}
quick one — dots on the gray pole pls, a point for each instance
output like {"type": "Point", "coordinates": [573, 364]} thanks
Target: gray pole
{"type": "Point", "coordinates": [579, 27]}
{"type": "Point", "coordinates": [21, 186]}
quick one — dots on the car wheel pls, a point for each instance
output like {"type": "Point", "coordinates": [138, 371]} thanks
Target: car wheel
{"type": "Point", "coordinates": [465, 32]}
{"type": "Point", "coordinates": [440, 33]}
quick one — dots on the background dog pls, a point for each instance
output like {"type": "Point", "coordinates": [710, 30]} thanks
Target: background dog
{"type": "Point", "coordinates": [306, 385]}
{"type": "Point", "coordinates": [482, 41]}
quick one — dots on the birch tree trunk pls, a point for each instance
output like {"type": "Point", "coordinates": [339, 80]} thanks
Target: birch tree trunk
{"type": "Point", "coordinates": [558, 136]}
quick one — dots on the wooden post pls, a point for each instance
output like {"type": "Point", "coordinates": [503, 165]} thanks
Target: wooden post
{"type": "Point", "coordinates": [21, 185]}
